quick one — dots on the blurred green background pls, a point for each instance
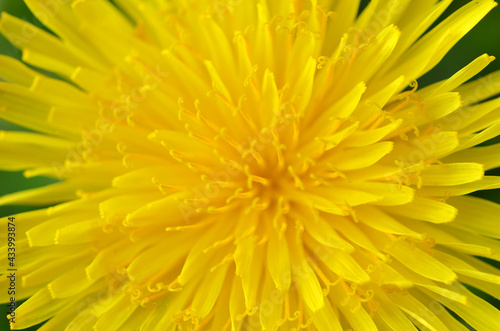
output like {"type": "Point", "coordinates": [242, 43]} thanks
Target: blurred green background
{"type": "Point", "coordinates": [484, 38]}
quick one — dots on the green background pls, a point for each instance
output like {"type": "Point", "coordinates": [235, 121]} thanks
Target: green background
{"type": "Point", "coordinates": [484, 38]}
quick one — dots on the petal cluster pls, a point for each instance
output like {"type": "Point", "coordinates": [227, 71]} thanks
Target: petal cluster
{"type": "Point", "coordinates": [250, 165]}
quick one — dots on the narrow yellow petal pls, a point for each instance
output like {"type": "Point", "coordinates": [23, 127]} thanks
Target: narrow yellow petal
{"type": "Point", "coordinates": [357, 317]}
{"type": "Point", "coordinates": [208, 291]}
{"type": "Point", "coordinates": [477, 214]}
{"type": "Point", "coordinates": [392, 195]}
{"type": "Point", "coordinates": [460, 77]}
{"type": "Point", "coordinates": [243, 255]}
{"type": "Point", "coordinates": [480, 314]}
{"type": "Point", "coordinates": [380, 221]}
{"type": "Point", "coordinates": [341, 263]}
{"type": "Point", "coordinates": [355, 234]}
{"type": "Point", "coordinates": [480, 89]}
{"type": "Point", "coordinates": [368, 137]}
{"type": "Point", "coordinates": [392, 315]}
{"type": "Point", "coordinates": [463, 268]}
{"type": "Point", "coordinates": [422, 263]}
{"type": "Point", "coordinates": [71, 282]}
{"type": "Point", "coordinates": [322, 232]}
{"type": "Point", "coordinates": [25, 35]}
{"type": "Point", "coordinates": [451, 174]}
{"type": "Point", "coordinates": [305, 278]}
{"type": "Point", "coordinates": [271, 306]}
{"type": "Point", "coordinates": [15, 71]}
{"type": "Point", "coordinates": [426, 210]}
{"type": "Point", "coordinates": [488, 156]}
{"type": "Point", "coordinates": [278, 261]}
{"type": "Point", "coordinates": [357, 158]}
{"type": "Point", "coordinates": [486, 183]}
{"type": "Point", "coordinates": [447, 237]}
{"type": "Point", "coordinates": [325, 319]}
{"type": "Point", "coordinates": [415, 309]}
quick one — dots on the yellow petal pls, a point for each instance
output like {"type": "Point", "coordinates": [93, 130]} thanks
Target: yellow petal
{"type": "Point", "coordinates": [278, 261]}
{"type": "Point", "coordinates": [271, 306]}
{"type": "Point", "coordinates": [305, 278]}
{"type": "Point", "coordinates": [462, 267]}
{"type": "Point", "coordinates": [477, 214]}
{"type": "Point", "coordinates": [486, 183]}
{"type": "Point", "coordinates": [391, 314]}
{"type": "Point", "coordinates": [357, 317]}
{"type": "Point", "coordinates": [480, 314]}
{"type": "Point", "coordinates": [325, 319]}
{"type": "Point", "coordinates": [116, 316]}
{"type": "Point", "coordinates": [451, 174]}
{"type": "Point", "coordinates": [208, 291]}
{"type": "Point", "coordinates": [480, 89]}
{"type": "Point", "coordinates": [362, 157]}
{"type": "Point", "coordinates": [415, 309]}
{"type": "Point", "coordinates": [341, 263]}
{"type": "Point", "coordinates": [426, 210]}
{"type": "Point", "coordinates": [460, 77]}
{"type": "Point", "coordinates": [380, 221]}
{"type": "Point", "coordinates": [422, 263]}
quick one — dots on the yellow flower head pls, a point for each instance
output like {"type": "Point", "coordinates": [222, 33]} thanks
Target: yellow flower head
{"type": "Point", "coordinates": [250, 165]}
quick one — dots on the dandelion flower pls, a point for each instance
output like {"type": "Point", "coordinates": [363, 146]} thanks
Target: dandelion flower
{"type": "Point", "coordinates": [250, 165]}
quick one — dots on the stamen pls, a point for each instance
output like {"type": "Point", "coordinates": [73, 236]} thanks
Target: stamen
{"type": "Point", "coordinates": [253, 178]}
{"type": "Point", "coordinates": [300, 312]}
{"type": "Point", "coordinates": [298, 182]}
{"type": "Point", "coordinates": [222, 134]}
{"type": "Point", "coordinates": [199, 116]}
{"type": "Point", "coordinates": [182, 228]}
{"type": "Point", "coordinates": [251, 79]}
{"type": "Point", "coordinates": [217, 92]}
{"type": "Point", "coordinates": [324, 278]}
{"type": "Point", "coordinates": [256, 206]}
{"type": "Point", "coordinates": [247, 312]}
{"type": "Point", "coordinates": [174, 286]}
{"type": "Point", "coordinates": [351, 212]}
{"type": "Point", "coordinates": [219, 243]}
{"type": "Point", "coordinates": [373, 306]}
{"type": "Point", "coordinates": [323, 60]}
{"type": "Point", "coordinates": [336, 173]}
{"type": "Point", "coordinates": [144, 303]}
{"type": "Point", "coordinates": [165, 189]}
{"type": "Point", "coordinates": [255, 154]}
{"type": "Point", "coordinates": [307, 162]}
{"type": "Point", "coordinates": [235, 195]}
{"type": "Point", "coordinates": [157, 287]}
{"type": "Point", "coordinates": [285, 318]}
{"type": "Point", "coordinates": [244, 114]}
{"type": "Point", "coordinates": [228, 258]}
{"type": "Point", "coordinates": [279, 148]}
